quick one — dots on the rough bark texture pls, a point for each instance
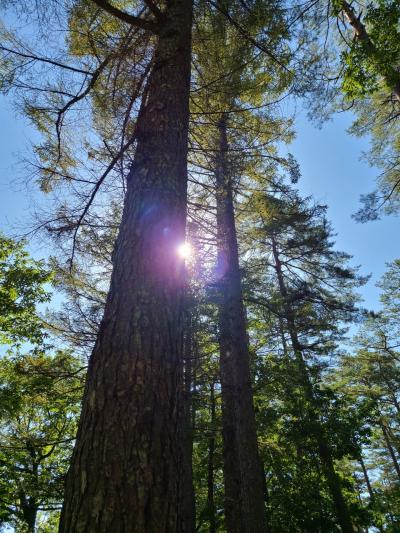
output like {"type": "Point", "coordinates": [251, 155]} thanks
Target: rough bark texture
{"type": "Point", "coordinates": [243, 474]}
{"type": "Point", "coordinates": [127, 463]}
{"type": "Point", "coordinates": [342, 512]}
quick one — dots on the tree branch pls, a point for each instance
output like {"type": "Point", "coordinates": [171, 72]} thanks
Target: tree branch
{"type": "Point", "coordinates": [77, 98]}
{"type": "Point", "coordinates": [45, 60]}
{"type": "Point", "coordinates": [243, 32]}
{"type": "Point", "coordinates": [94, 192]}
{"type": "Point", "coordinates": [155, 9]}
{"type": "Point", "coordinates": [127, 17]}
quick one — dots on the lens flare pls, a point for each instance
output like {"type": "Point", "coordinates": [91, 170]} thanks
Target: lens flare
{"type": "Point", "coordinates": [185, 250]}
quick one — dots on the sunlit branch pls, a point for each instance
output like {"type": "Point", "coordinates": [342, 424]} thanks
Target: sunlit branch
{"type": "Point", "coordinates": [243, 32]}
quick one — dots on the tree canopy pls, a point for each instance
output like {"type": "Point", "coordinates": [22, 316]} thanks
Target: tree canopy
{"type": "Point", "coordinates": [197, 374]}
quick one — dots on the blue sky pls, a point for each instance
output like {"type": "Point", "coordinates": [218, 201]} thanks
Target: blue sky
{"type": "Point", "coordinates": [15, 142]}
{"type": "Point", "coordinates": [331, 171]}
{"type": "Point", "coordinates": [334, 173]}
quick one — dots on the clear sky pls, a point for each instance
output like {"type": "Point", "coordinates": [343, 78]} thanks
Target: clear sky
{"type": "Point", "coordinates": [15, 193]}
{"type": "Point", "coordinates": [331, 171]}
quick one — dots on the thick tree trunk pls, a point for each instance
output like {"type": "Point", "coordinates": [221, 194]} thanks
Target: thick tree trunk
{"type": "Point", "coordinates": [243, 472]}
{"type": "Point", "coordinates": [325, 455]}
{"type": "Point", "coordinates": [126, 468]}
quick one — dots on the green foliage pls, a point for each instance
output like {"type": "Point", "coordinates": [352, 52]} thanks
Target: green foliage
{"type": "Point", "coordinates": [40, 392]}
{"type": "Point", "coordinates": [39, 404]}
{"type": "Point", "coordinates": [300, 290]}
{"type": "Point", "coordinates": [390, 286]}
{"type": "Point", "coordinates": [370, 379]}
{"type": "Point", "coordinates": [356, 67]}
{"type": "Point", "coordinates": [22, 287]}
{"type": "Point", "coordinates": [354, 397]}
{"type": "Point", "coordinates": [372, 52]}
{"type": "Point", "coordinates": [360, 77]}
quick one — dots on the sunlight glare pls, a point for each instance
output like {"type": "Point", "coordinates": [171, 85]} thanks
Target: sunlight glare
{"type": "Point", "coordinates": [185, 250]}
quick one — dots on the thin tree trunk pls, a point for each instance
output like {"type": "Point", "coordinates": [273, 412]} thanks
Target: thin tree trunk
{"type": "Point", "coordinates": [29, 504]}
{"type": "Point", "coordinates": [126, 468]}
{"type": "Point", "coordinates": [29, 509]}
{"type": "Point", "coordinates": [395, 401]}
{"type": "Point", "coordinates": [210, 466]}
{"type": "Point", "coordinates": [332, 478]}
{"type": "Point", "coordinates": [30, 515]}
{"type": "Point", "coordinates": [369, 487]}
{"type": "Point", "coordinates": [188, 517]}
{"type": "Point", "coordinates": [232, 496]}
{"type": "Point", "coordinates": [367, 480]}
{"type": "Point", "coordinates": [390, 449]}
{"type": "Point", "coordinates": [243, 471]}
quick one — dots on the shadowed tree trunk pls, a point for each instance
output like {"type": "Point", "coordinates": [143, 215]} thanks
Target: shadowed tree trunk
{"type": "Point", "coordinates": [126, 468]}
{"type": "Point", "coordinates": [390, 448]}
{"type": "Point", "coordinates": [342, 512]}
{"type": "Point", "coordinates": [29, 504]}
{"type": "Point", "coordinates": [188, 517]}
{"type": "Point", "coordinates": [369, 487]}
{"type": "Point", "coordinates": [29, 508]}
{"type": "Point", "coordinates": [243, 474]}
{"type": "Point", "coordinates": [366, 479]}
{"type": "Point", "coordinates": [210, 465]}
{"type": "Point", "coordinates": [232, 496]}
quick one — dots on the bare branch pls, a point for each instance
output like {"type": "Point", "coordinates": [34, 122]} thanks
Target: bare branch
{"type": "Point", "coordinates": [79, 97]}
{"type": "Point", "coordinates": [95, 190]}
{"type": "Point", "coordinates": [45, 60]}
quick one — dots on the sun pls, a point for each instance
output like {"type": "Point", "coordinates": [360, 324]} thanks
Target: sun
{"type": "Point", "coordinates": [185, 250]}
